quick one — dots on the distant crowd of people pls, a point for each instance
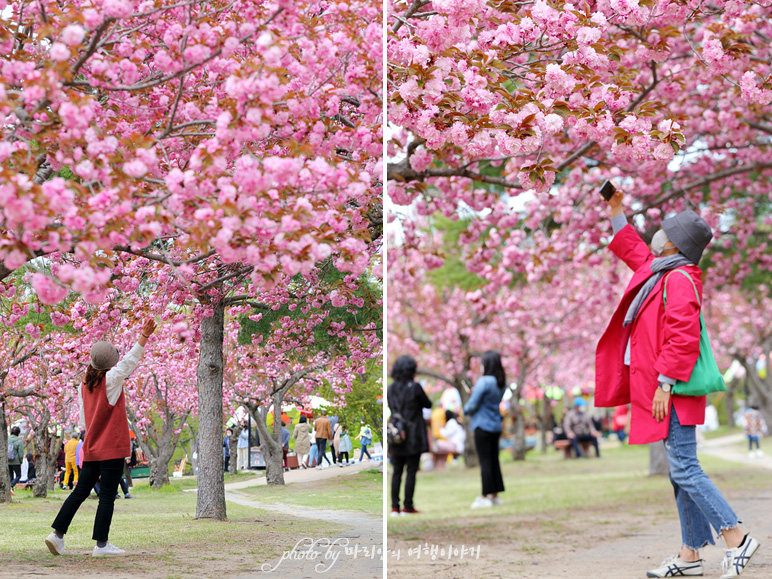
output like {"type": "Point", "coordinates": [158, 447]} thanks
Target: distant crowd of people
{"type": "Point", "coordinates": [312, 441]}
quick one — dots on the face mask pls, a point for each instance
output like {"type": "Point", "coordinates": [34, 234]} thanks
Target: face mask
{"type": "Point", "coordinates": [658, 242]}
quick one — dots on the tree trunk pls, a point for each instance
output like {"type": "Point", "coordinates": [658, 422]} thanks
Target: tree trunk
{"type": "Point", "coordinates": [658, 460]}
{"type": "Point", "coordinates": [159, 450]}
{"type": "Point", "coordinates": [729, 401]}
{"type": "Point", "coordinates": [53, 452]}
{"type": "Point", "coordinates": [211, 484]}
{"type": "Point", "coordinates": [270, 446]}
{"type": "Point", "coordinates": [470, 451]}
{"type": "Point", "coordinates": [159, 472]}
{"type": "Point", "coordinates": [233, 467]}
{"type": "Point", "coordinates": [518, 447]}
{"type": "Point", "coordinates": [5, 475]}
{"type": "Point", "coordinates": [40, 489]}
{"type": "Point", "coordinates": [546, 415]}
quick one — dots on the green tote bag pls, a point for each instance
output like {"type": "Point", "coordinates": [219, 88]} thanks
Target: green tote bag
{"type": "Point", "coordinates": [705, 377]}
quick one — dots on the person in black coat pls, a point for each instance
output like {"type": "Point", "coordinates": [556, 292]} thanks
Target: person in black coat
{"type": "Point", "coordinates": [406, 397]}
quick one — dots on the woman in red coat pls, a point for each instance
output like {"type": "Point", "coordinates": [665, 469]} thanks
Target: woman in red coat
{"type": "Point", "coordinates": [645, 349]}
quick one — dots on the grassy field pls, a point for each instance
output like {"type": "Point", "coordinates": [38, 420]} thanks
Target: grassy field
{"type": "Point", "coordinates": [157, 528]}
{"type": "Point", "coordinates": [362, 491]}
{"type": "Point", "coordinates": [548, 486]}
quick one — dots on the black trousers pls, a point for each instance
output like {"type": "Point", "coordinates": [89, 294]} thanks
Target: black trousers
{"type": "Point", "coordinates": [14, 470]}
{"type": "Point", "coordinates": [321, 449]}
{"type": "Point", "coordinates": [111, 471]}
{"type": "Point", "coordinates": [341, 455]}
{"type": "Point", "coordinates": [584, 438]}
{"type": "Point", "coordinates": [399, 463]}
{"type": "Point", "coordinates": [335, 457]}
{"type": "Point", "coordinates": [487, 444]}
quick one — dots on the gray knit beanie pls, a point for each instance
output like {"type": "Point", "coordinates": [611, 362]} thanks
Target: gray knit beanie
{"type": "Point", "coordinates": [104, 355]}
{"type": "Point", "coordinates": [689, 232]}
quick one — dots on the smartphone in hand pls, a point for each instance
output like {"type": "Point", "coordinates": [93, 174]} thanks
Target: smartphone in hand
{"type": "Point", "coordinates": [607, 190]}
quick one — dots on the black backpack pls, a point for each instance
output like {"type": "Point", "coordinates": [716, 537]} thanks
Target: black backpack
{"type": "Point", "coordinates": [396, 429]}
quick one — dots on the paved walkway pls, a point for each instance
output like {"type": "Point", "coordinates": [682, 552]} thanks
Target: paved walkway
{"type": "Point", "coordinates": [355, 553]}
{"type": "Point", "coordinates": [725, 447]}
{"type": "Point", "coordinates": [308, 475]}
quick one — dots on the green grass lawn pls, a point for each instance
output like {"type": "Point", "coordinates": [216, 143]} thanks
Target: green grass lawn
{"type": "Point", "coordinates": [191, 482]}
{"type": "Point", "coordinates": [548, 485]}
{"type": "Point", "coordinates": [157, 528]}
{"type": "Point", "coordinates": [362, 491]}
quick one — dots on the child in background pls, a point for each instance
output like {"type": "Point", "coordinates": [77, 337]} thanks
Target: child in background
{"type": "Point", "coordinates": [346, 446]}
{"type": "Point", "coordinates": [755, 427]}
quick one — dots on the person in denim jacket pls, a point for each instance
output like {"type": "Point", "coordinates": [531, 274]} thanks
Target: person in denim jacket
{"type": "Point", "coordinates": [483, 409]}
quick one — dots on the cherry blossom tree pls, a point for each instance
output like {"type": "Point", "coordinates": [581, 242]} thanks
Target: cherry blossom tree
{"type": "Point", "coordinates": [279, 356]}
{"type": "Point", "coordinates": [501, 104]}
{"type": "Point", "coordinates": [246, 128]}
{"type": "Point", "coordinates": [507, 117]}
{"type": "Point", "coordinates": [234, 142]}
{"type": "Point", "coordinates": [535, 327]}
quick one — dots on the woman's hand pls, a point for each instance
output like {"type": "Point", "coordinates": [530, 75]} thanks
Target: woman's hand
{"type": "Point", "coordinates": [616, 203]}
{"type": "Point", "coordinates": [147, 330]}
{"type": "Point", "coordinates": [661, 405]}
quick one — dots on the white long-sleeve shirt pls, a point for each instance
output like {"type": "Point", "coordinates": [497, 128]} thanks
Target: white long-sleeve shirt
{"type": "Point", "coordinates": [114, 380]}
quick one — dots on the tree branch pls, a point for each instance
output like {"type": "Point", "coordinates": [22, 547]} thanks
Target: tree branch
{"type": "Point", "coordinates": [403, 172]}
{"type": "Point", "coordinates": [91, 47]}
{"type": "Point", "coordinates": [408, 13]}
{"type": "Point", "coordinates": [759, 126]}
{"type": "Point", "coordinates": [679, 191]}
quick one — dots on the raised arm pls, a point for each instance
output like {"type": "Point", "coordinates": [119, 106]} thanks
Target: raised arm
{"type": "Point", "coordinates": [123, 369]}
{"type": "Point", "coordinates": [627, 244]}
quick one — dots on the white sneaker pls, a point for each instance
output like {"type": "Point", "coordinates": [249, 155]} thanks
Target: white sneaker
{"type": "Point", "coordinates": [759, 453]}
{"type": "Point", "coordinates": [55, 544]}
{"type": "Point", "coordinates": [751, 454]}
{"type": "Point", "coordinates": [674, 566]}
{"type": "Point", "coordinates": [108, 550]}
{"type": "Point", "coordinates": [737, 559]}
{"type": "Point", "coordinates": [497, 502]}
{"type": "Point", "coordinates": [482, 503]}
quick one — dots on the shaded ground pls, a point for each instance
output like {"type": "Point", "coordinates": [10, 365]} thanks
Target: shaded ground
{"type": "Point", "coordinates": [253, 541]}
{"type": "Point", "coordinates": [610, 539]}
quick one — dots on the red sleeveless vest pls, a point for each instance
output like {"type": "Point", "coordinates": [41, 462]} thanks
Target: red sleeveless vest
{"type": "Point", "coordinates": [107, 430]}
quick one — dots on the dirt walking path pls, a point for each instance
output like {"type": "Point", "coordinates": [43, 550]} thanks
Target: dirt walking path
{"type": "Point", "coordinates": [583, 543]}
{"type": "Point", "coordinates": [353, 551]}
{"type": "Point", "coordinates": [357, 552]}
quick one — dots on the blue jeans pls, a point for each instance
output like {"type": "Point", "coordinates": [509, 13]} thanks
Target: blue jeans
{"type": "Point", "coordinates": [751, 440]}
{"type": "Point", "coordinates": [700, 504]}
{"type": "Point", "coordinates": [364, 452]}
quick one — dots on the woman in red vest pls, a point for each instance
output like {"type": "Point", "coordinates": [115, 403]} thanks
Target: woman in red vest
{"type": "Point", "coordinates": [107, 442]}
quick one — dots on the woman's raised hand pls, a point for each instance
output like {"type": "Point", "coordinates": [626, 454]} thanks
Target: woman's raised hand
{"type": "Point", "coordinates": [148, 327]}
{"type": "Point", "coordinates": [147, 330]}
{"type": "Point", "coordinates": [616, 203]}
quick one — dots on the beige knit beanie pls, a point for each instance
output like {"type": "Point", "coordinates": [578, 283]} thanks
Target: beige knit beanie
{"type": "Point", "coordinates": [104, 355]}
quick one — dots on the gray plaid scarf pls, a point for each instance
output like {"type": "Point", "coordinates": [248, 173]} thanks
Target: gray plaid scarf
{"type": "Point", "coordinates": [659, 267]}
